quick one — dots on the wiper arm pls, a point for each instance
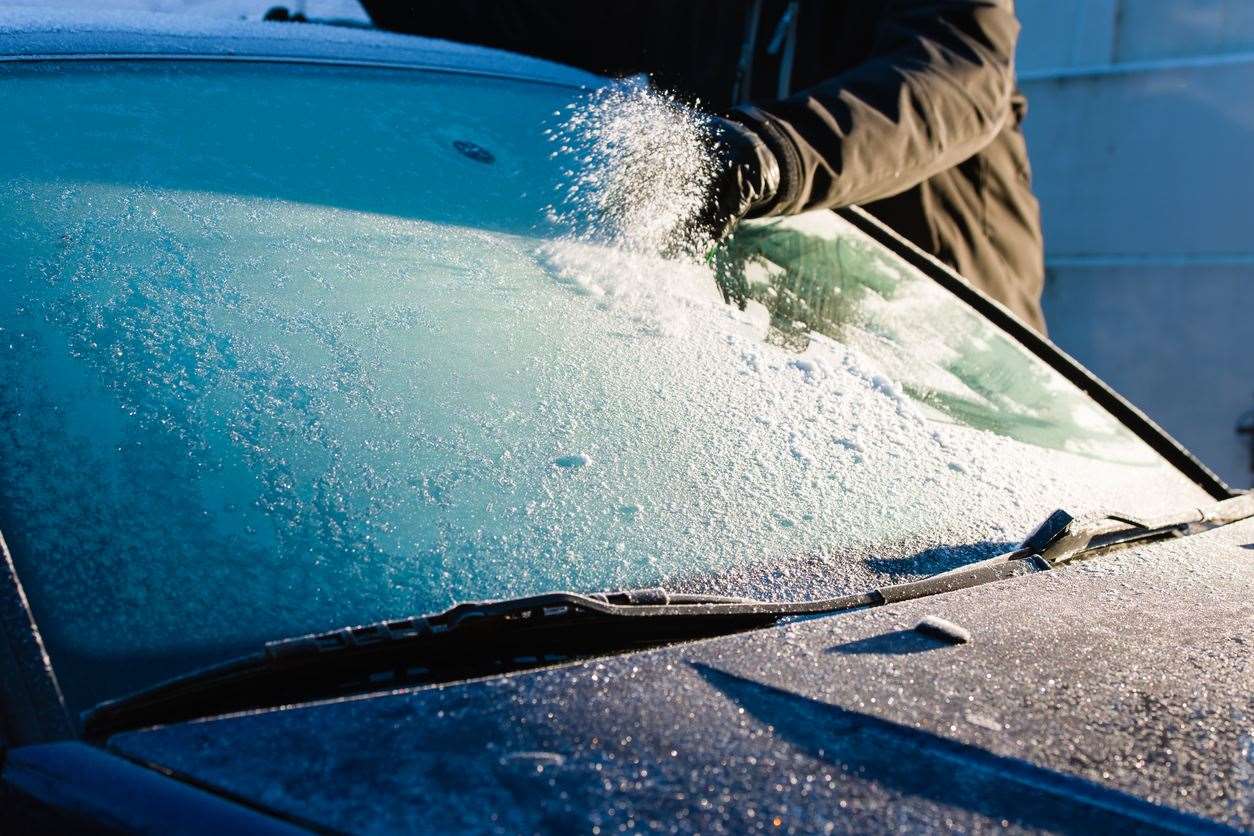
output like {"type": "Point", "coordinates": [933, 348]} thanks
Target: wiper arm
{"type": "Point", "coordinates": [473, 640]}
{"type": "Point", "coordinates": [1064, 539]}
{"type": "Point", "coordinates": [1060, 541]}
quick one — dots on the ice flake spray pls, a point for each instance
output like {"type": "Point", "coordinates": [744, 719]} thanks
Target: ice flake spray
{"type": "Point", "coordinates": [636, 167]}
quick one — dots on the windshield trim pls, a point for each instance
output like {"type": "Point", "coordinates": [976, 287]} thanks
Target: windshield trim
{"type": "Point", "coordinates": [1122, 410]}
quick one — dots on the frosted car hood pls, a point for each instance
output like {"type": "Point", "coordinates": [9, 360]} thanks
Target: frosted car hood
{"type": "Point", "coordinates": [1114, 690]}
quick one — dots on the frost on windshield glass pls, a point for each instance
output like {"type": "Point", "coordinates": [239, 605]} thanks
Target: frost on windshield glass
{"type": "Point", "coordinates": [817, 276]}
{"type": "Point", "coordinates": [280, 355]}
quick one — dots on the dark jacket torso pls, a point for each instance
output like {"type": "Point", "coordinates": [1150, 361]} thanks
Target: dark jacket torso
{"type": "Point", "coordinates": [905, 107]}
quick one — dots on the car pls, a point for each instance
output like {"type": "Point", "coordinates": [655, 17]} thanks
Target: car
{"type": "Point", "coordinates": [345, 489]}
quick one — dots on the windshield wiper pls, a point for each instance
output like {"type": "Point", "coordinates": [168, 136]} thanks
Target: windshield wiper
{"type": "Point", "coordinates": [468, 641]}
{"type": "Point", "coordinates": [474, 640]}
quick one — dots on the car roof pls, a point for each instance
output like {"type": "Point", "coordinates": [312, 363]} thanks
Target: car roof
{"type": "Point", "coordinates": [28, 33]}
{"type": "Point", "coordinates": [1108, 694]}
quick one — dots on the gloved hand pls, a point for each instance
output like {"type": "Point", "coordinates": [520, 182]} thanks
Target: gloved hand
{"type": "Point", "coordinates": [745, 183]}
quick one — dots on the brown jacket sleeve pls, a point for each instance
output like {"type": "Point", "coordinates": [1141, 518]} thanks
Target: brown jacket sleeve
{"type": "Point", "coordinates": [936, 90]}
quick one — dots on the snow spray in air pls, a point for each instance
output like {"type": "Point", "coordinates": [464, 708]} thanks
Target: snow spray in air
{"type": "Point", "coordinates": [636, 167]}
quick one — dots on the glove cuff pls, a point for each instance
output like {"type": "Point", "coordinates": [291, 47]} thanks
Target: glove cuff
{"type": "Point", "coordinates": [783, 199]}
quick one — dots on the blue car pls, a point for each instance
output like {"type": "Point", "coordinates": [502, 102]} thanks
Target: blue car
{"type": "Point", "coordinates": [345, 488]}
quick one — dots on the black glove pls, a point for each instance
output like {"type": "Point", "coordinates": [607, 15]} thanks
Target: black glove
{"type": "Point", "coordinates": [745, 183]}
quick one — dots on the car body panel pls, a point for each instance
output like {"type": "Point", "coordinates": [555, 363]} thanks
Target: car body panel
{"type": "Point", "coordinates": [79, 786]}
{"type": "Point", "coordinates": [1115, 691]}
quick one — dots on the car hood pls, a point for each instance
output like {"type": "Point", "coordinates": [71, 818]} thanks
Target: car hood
{"type": "Point", "coordinates": [1112, 691]}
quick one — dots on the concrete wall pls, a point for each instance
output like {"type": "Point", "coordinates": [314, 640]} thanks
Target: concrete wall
{"type": "Point", "coordinates": [1081, 33]}
{"type": "Point", "coordinates": [1141, 132]}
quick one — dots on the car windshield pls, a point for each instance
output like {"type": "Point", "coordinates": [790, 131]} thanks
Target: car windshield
{"type": "Point", "coordinates": [287, 347]}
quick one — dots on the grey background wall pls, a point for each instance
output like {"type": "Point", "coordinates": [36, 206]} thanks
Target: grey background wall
{"type": "Point", "coordinates": [1141, 134]}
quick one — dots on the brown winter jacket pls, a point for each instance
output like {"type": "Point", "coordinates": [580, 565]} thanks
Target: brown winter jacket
{"type": "Point", "coordinates": [906, 107]}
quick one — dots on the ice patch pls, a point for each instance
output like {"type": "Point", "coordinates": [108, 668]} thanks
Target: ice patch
{"type": "Point", "coordinates": [800, 451]}
{"type": "Point", "coordinates": [983, 721]}
{"type": "Point", "coordinates": [661, 296]}
{"type": "Point", "coordinates": [885, 386]}
{"type": "Point", "coordinates": [812, 370]}
{"type": "Point", "coordinates": [573, 461]}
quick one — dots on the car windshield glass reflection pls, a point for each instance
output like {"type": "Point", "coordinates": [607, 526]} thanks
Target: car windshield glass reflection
{"type": "Point", "coordinates": [288, 347]}
{"type": "Point", "coordinates": [815, 278]}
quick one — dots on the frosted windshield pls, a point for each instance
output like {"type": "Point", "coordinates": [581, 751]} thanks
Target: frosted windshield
{"type": "Point", "coordinates": [285, 348]}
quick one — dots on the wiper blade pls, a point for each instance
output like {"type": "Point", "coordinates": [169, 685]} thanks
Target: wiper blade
{"type": "Point", "coordinates": [467, 641]}
{"type": "Point", "coordinates": [480, 639]}
{"type": "Point", "coordinates": [470, 641]}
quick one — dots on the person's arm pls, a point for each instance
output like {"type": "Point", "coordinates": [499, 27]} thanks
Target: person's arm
{"type": "Point", "coordinates": [936, 90]}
